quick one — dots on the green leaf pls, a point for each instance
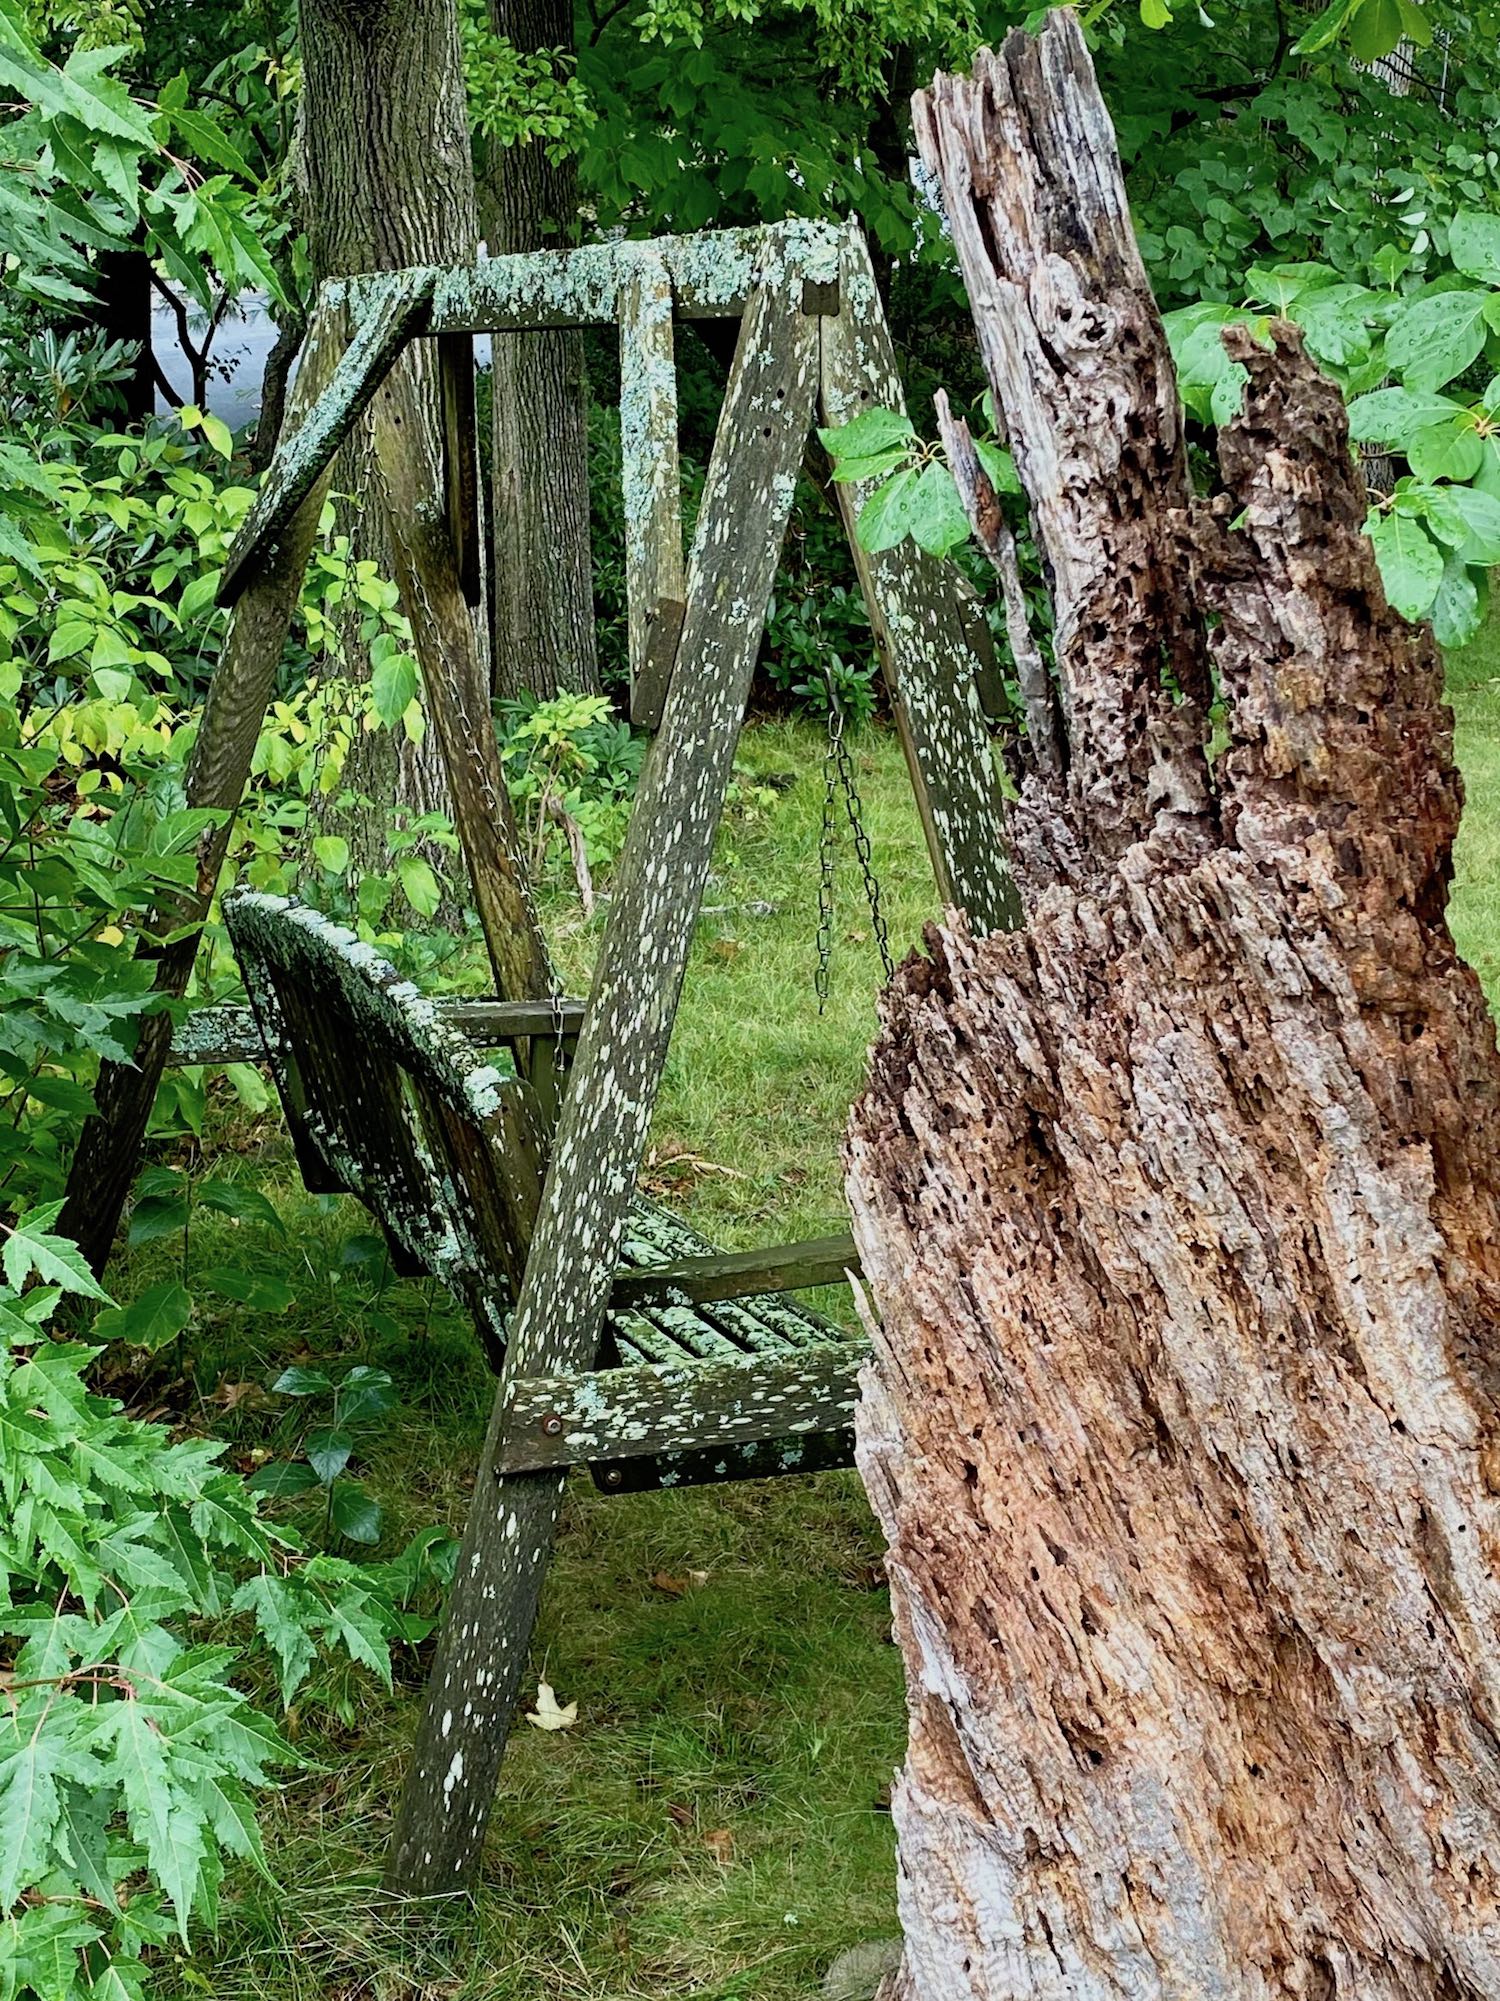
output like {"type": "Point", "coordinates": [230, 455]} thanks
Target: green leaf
{"type": "Point", "coordinates": [1480, 514]}
{"type": "Point", "coordinates": [937, 522]}
{"type": "Point", "coordinates": [1155, 14]}
{"type": "Point", "coordinates": [331, 852]}
{"type": "Point", "coordinates": [1455, 609]}
{"type": "Point", "coordinates": [1391, 416]}
{"type": "Point", "coordinates": [882, 520]}
{"type": "Point", "coordinates": [393, 686]}
{"type": "Point", "coordinates": [245, 1205]}
{"type": "Point", "coordinates": [1411, 564]}
{"type": "Point", "coordinates": [354, 1513]}
{"type": "Point", "coordinates": [279, 1478]}
{"type": "Point", "coordinates": [1374, 29]}
{"type": "Point", "coordinates": [1474, 244]}
{"type": "Point", "coordinates": [365, 1393]}
{"type": "Point", "coordinates": [419, 885]}
{"type": "Point", "coordinates": [156, 1216]}
{"type": "Point", "coordinates": [261, 1292]}
{"type": "Point", "coordinates": [864, 436]}
{"type": "Point", "coordinates": [1445, 452]}
{"type": "Point", "coordinates": [328, 1453]}
{"type": "Point", "coordinates": [168, 1825]}
{"type": "Point", "coordinates": [1436, 338]}
{"type": "Point", "coordinates": [149, 1321]}
{"type": "Point", "coordinates": [30, 1803]}
{"type": "Point", "coordinates": [275, 1608]}
{"type": "Point", "coordinates": [302, 1382]}
{"type": "Point", "coordinates": [31, 1247]}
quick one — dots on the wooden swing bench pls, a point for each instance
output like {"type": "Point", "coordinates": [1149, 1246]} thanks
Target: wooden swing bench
{"type": "Point", "coordinates": [704, 1370]}
{"type": "Point", "coordinates": [622, 1339]}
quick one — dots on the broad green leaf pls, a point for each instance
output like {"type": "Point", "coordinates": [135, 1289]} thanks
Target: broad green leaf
{"type": "Point", "coordinates": [365, 1393]}
{"type": "Point", "coordinates": [1474, 244]}
{"type": "Point", "coordinates": [1455, 609]}
{"type": "Point", "coordinates": [260, 1291]}
{"type": "Point", "coordinates": [872, 431]}
{"type": "Point", "coordinates": [848, 472]}
{"type": "Point", "coordinates": [1479, 512]}
{"type": "Point", "coordinates": [354, 1513]}
{"type": "Point", "coordinates": [1391, 416]}
{"type": "Point", "coordinates": [331, 851]}
{"type": "Point", "coordinates": [882, 520]}
{"type": "Point", "coordinates": [1436, 338]}
{"type": "Point", "coordinates": [328, 1453]}
{"type": "Point", "coordinates": [1445, 452]}
{"type": "Point", "coordinates": [299, 1381]}
{"type": "Point", "coordinates": [219, 436]}
{"type": "Point", "coordinates": [168, 1825]}
{"type": "Point", "coordinates": [150, 1320]}
{"type": "Point", "coordinates": [998, 463]}
{"type": "Point", "coordinates": [30, 1804]}
{"type": "Point", "coordinates": [1411, 564]}
{"type": "Point", "coordinates": [393, 685]}
{"type": "Point", "coordinates": [156, 1216]}
{"type": "Point", "coordinates": [244, 1204]}
{"type": "Point", "coordinates": [281, 1478]}
{"type": "Point", "coordinates": [1375, 27]}
{"type": "Point", "coordinates": [419, 885]}
{"type": "Point", "coordinates": [937, 522]}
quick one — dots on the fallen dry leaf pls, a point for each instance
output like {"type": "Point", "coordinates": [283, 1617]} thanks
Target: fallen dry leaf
{"type": "Point", "coordinates": [719, 1841]}
{"type": "Point", "coordinates": [549, 1713]}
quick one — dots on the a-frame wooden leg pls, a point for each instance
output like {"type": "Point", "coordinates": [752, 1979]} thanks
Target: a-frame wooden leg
{"type": "Point", "coordinates": [926, 659]}
{"type": "Point", "coordinates": [621, 1051]}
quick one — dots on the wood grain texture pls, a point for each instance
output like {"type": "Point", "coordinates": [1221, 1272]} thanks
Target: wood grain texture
{"type": "Point", "coordinates": [1182, 1213]}
{"type": "Point", "coordinates": [655, 583]}
{"type": "Point", "coordinates": [1084, 389]}
{"type": "Point", "coordinates": [929, 667]}
{"type": "Point", "coordinates": [616, 1070]}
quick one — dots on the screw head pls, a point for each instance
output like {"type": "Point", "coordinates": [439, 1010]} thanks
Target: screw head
{"type": "Point", "coordinates": [612, 1476]}
{"type": "Point", "coordinates": [551, 1424]}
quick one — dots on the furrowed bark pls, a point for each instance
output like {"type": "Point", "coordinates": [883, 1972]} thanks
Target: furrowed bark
{"type": "Point", "coordinates": [1180, 1209]}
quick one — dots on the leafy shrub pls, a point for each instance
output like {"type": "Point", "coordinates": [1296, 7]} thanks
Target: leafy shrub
{"type": "Point", "coordinates": [128, 1754]}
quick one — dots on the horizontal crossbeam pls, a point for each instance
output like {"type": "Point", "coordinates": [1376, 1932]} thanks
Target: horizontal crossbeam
{"type": "Point", "coordinates": [711, 274]}
{"type": "Point", "coordinates": [557, 1421]}
{"type": "Point", "coordinates": [229, 1034]}
{"type": "Point", "coordinates": [738, 1274]}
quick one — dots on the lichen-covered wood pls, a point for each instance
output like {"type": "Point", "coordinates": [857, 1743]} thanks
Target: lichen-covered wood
{"type": "Point", "coordinates": [747, 498]}
{"type": "Point", "coordinates": [1182, 1212]}
{"type": "Point", "coordinates": [393, 305]}
{"type": "Point", "coordinates": [927, 662]}
{"type": "Point", "coordinates": [651, 487]}
{"type": "Point", "coordinates": [228, 1034]}
{"type": "Point", "coordinates": [633, 1412]}
{"type": "Point", "coordinates": [731, 1274]}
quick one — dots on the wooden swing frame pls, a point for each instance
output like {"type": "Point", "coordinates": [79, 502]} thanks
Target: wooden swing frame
{"type": "Point", "coordinates": [813, 345]}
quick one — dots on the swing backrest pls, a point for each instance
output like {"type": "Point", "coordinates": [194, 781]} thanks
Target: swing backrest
{"type": "Point", "coordinates": [385, 1101]}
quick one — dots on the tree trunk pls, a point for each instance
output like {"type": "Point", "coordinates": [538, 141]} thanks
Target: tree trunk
{"type": "Point", "coordinates": [542, 571]}
{"type": "Point", "coordinates": [389, 182]}
{"type": "Point", "coordinates": [1180, 1208]}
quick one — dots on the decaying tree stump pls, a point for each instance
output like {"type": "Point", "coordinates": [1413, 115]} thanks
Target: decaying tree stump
{"type": "Point", "coordinates": [1180, 1208]}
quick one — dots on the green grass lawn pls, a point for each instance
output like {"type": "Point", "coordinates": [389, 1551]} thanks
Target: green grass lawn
{"type": "Point", "coordinates": [715, 1825]}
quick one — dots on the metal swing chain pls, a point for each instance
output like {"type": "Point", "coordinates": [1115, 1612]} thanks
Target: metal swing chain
{"type": "Point", "coordinates": [838, 770]}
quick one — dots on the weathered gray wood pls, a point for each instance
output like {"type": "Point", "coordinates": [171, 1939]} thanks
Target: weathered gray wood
{"type": "Point", "coordinates": [384, 1098]}
{"type": "Point", "coordinates": [558, 1421]}
{"type": "Point", "coordinates": [736, 1274]}
{"type": "Point", "coordinates": [925, 658]}
{"type": "Point", "coordinates": [712, 275]}
{"type": "Point", "coordinates": [482, 1650]}
{"type": "Point", "coordinates": [220, 1035]}
{"type": "Point", "coordinates": [655, 584]}
{"type": "Point", "coordinates": [393, 305]}
{"type": "Point", "coordinates": [458, 708]}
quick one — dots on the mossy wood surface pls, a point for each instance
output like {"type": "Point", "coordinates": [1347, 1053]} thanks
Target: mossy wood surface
{"type": "Point", "coordinates": [392, 308]}
{"type": "Point", "coordinates": [229, 1035]}
{"type": "Point", "coordinates": [629, 1413]}
{"type": "Point", "coordinates": [617, 1069]}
